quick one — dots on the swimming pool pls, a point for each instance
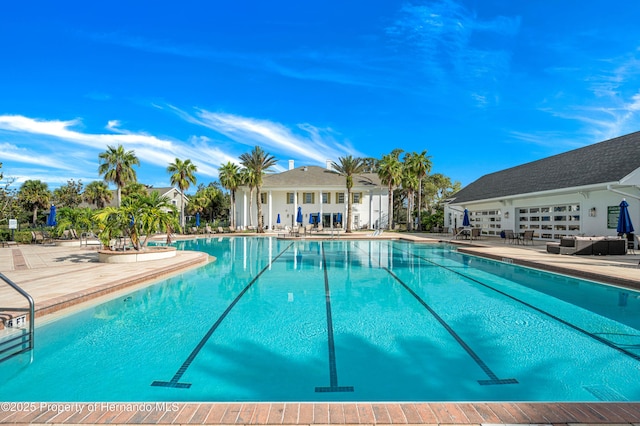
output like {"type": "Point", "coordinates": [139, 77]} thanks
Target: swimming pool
{"type": "Point", "coordinates": [278, 320]}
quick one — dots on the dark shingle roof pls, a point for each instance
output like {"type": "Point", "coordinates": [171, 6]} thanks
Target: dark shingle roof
{"type": "Point", "coordinates": [602, 162]}
{"type": "Point", "coordinates": [315, 176]}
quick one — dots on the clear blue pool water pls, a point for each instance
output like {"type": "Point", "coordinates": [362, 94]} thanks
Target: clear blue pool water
{"type": "Point", "coordinates": [276, 320]}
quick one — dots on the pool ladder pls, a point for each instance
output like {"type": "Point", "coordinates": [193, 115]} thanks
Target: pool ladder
{"type": "Point", "coordinates": [12, 344]}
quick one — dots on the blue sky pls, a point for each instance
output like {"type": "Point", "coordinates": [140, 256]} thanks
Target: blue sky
{"type": "Point", "coordinates": [482, 85]}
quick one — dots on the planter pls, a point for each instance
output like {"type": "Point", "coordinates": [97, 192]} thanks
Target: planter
{"type": "Point", "coordinates": [130, 256]}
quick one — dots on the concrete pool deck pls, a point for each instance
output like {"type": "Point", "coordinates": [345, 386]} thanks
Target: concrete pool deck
{"type": "Point", "coordinates": [58, 278]}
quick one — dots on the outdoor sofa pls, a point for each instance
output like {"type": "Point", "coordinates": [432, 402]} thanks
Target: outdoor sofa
{"type": "Point", "coordinates": [600, 246]}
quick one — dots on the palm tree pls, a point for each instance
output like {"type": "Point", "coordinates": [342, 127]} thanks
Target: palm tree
{"type": "Point", "coordinates": [97, 193]}
{"type": "Point", "coordinates": [230, 179]}
{"type": "Point", "coordinates": [257, 162]}
{"type": "Point", "coordinates": [390, 172]}
{"type": "Point", "coordinates": [183, 176]}
{"type": "Point", "coordinates": [247, 177]}
{"type": "Point", "coordinates": [347, 167]}
{"type": "Point", "coordinates": [116, 165]}
{"type": "Point", "coordinates": [34, 195]}
{"type": "Point", "coordinates": [409, 184]}
{"type": "Point", "coordinates": [420, 164]}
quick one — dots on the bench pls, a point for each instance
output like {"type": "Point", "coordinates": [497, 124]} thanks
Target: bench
{"type": "Point", "coordinates": [600, 246]}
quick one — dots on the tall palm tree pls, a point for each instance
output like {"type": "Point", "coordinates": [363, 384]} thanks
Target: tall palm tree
{"type": "Point", "coordinates": [420, 163]}
{"type": "Point", "coordinates": [116, 165]}
{"type": "Point", "coordinates": [257, 162]}
{"type": "Point", "coordinates": [390, 172]}
{"type": "Point", "coordinates": [409, 184]}
{"type": "Point", "coordinates": [34, 195]}
{"type": "Point", "coordinates": [230, 179]}
{"type": "Point", "coordinates": [183, 175]}
{"type": "Point", "coordinates": [348, 167]}
{"type": "Point", "coordinates": [97, 193]}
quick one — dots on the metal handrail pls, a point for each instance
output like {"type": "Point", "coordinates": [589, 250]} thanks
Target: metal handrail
{"type": "Point", "coordinates": [31, 332]}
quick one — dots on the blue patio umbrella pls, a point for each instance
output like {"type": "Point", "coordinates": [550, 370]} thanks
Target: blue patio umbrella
{"type": "Point", "coordinates": [198, 219]}
{"type": "Point", "coordinates": [465, 218]}
{"type": "Point", "coordinates": [311, 220]}
{"type": "Point", "coordinates": [51, 220]}
{"type": "Point", "coordinates": [624, 221]}
{"type": "Point", "coordinates": [339, 218]}
{"type": "Point", "coordinates": [299, 217]}
{"type": "Point", "coordinates": [278, 219]}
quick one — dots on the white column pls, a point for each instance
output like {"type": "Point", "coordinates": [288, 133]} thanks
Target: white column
{"type": "Point", "coordinates": [346, 207]}
{"type": "Point", "coordinates": [371, 209]}
{"type": "Point", "coordinates": [321, 209]}
{"type": "Point", "coordinates": [295, 207]}
{"type": "Point", "coordinates": [270, 201]}
{"type": "Point", "coordinates": [244, 208]}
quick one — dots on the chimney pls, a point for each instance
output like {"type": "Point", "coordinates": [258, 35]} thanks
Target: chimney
{"type": "Point", "coordinates": [291, 167]}
{"type": "Point", "coordinates": [329, 165]}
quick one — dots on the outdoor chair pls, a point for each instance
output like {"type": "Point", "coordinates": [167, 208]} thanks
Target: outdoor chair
{"type": "Point", "coordinates": [510, 236]}
{"type": "Point", "coordinates": [527, 236]}
{"type": "Point", "coordinates": [220, 230]}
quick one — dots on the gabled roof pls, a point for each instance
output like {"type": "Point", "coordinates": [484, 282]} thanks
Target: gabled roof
{"type": "Point", "coordinates": [604, 162]}
{"type": "Point", "coordinates": [314, 176]}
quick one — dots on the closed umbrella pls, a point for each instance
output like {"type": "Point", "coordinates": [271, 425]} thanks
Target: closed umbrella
{"type": "Point", "coordinates": [299, 217]}
{"type": "Point", "coordinates": [624, 221]}
{"type": "Point", "coordinates": [465, 218]}
{"type": "Point", "coordinates": [51, 220]}
{"type": "Point", "coordinates": [278, 219]}
{"type": "Point", "coordinates": [311, 221]}
{"type": "Point", "coordinates": [197, 219]}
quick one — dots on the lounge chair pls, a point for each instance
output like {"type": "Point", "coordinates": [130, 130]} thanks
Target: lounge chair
{"type": "Point", "coordinates": [220, 230]}
{"type": "Point", "coordinates": [37, 237]}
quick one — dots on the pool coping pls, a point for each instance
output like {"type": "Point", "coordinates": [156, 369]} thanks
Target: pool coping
{"type": "Point", "coordinates": [294, 413]}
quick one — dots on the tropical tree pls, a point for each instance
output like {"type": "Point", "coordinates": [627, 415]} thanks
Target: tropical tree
{"type": "Point", "coordinates": [230, 179]}
{"type": "Point", "coordinates": [409, 184]}
{"type": "Point", "coordinates": [248, 177]}
{"type": "Point", "coordinates": [8, 198]}
{"type": "Point", "coordinates": [98, 193]}
{"type": "Point", "coordinates": [116, 165]}
{"type": "Point", "coordinates": [348, 167]}
{"type": "Point", "coordinates": [139, 217]}
{"type": "Point", "coordinates": [69, 195]}
{"type": "Point", "coordinates": [390, 173]}
{"type": "Point", "coordinates": [182, 176]}
{"type": "Point", "coordinates": [134, 188]}
{"type": "Point", "coordinates": [420, 165]}
{"type": "Point", "coordinates": [34, 195]}
{"type": "Point", "coordinates": [257, 162]}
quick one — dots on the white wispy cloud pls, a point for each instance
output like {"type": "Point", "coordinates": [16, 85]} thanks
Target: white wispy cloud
{"type": "Point", "coordinates": [304, 142]}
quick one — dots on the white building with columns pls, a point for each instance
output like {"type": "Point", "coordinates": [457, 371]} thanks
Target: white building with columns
{"type": "Point", "coordinates": [320, 193]}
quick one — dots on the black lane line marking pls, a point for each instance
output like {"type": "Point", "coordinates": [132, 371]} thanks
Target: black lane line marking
{"type": "Point", "coordinates": [550, 315]}
{"type": "Point", "coordinates": [493, 378]}
{"type": "Point", "coordinates": [175, 381]}
{"type": "Point", "coordinates": [333, 370]}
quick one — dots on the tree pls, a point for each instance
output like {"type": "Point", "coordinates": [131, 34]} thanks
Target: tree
{"type": "Point", "coordinates": [420, 164]}
{"type": "Point", "coordinates": [139, 217]}
{"type": "Point", "coordinates": [182, 176]}
{"type": "Point", "coordinates": [230, 179]}
{"type": "Point", "coordinates": [257, 162]}
{"type": "Point", "coordinates": [97, 193]}
{"type": "Point", "coordinates": [409, 184]}
{"type": "Point", "coordinates": [69, 195]}
{"type": "Point", "coordinates": [133, 188]}
{"type": "Point", "coordinates": [348, 167]}
{"type": "Point", "coordinates": [116, 165]}
{"type": "Point", "coordinates": [390, 173]}
{"type": "Point", "coordinates": [8, 199]}
{"type": "Point", "coordinates": [34, 195]}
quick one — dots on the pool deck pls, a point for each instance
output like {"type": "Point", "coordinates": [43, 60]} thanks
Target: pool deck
{"type": "Point", "coordinates": [64, 278]}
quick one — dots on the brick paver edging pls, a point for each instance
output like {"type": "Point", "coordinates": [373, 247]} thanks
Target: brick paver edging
{"type": "Point", "coordinates": [320, 413]}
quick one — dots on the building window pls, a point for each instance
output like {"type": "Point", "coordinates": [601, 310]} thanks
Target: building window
{"type": "Point", "coordinates": [326, 198]}
{"type": "Point", "coordinates": [308, 197]}
{"type": "Point", "coordinates": [489, 221]}
{"type": "Point", "coordinates": [263, 198]}
{"type": "Point", "coordinates": [340, 197]}
{"type": "Point", "coordinates": [356, 197]}
{"type": "Point", "coordinates": [289, 197]}
{"type": "Point", "coordinates": [555, 224]}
